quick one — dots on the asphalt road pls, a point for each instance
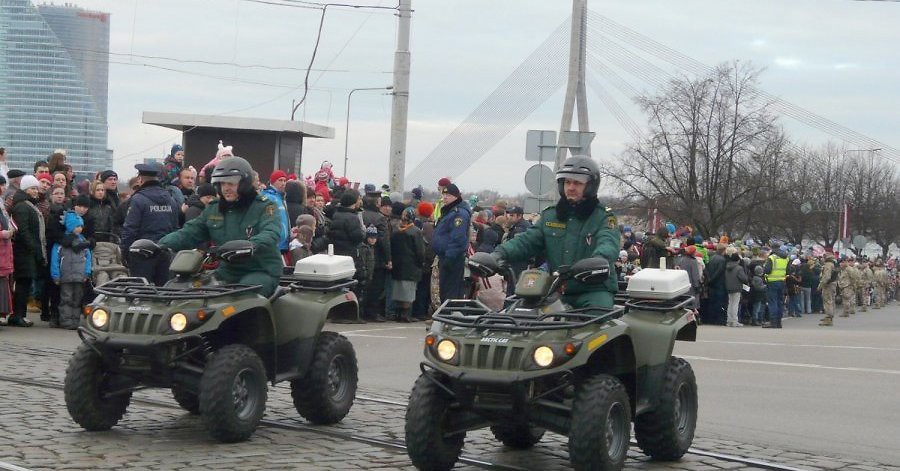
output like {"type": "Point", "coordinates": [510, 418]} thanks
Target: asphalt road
{"type": "Point", "coordinates": [829, 391]}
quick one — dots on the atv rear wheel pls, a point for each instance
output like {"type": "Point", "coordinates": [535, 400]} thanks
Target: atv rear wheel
{"type": "Point", "coordinates": [520, 437]}
{"type": "Point", "coordinates": [186, 399]}
{"type": "Point", "coordinates": [85, 389]}
{"type": "Point", "coordinates": [667, 432]}
{"type": "Point", "coordinates": [325, 395]}
{"type": "Point", "coordinates": [601, 425]}
{"type": "Point", "coordinates": [233, 393]}
{"type": "Point", "coordinates": [427, 443]}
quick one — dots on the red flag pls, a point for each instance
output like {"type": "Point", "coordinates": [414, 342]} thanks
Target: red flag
{"type": "Point", "coordinates": [844, 231]}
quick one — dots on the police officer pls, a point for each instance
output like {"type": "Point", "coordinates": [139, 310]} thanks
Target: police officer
{"type": "Point", "coordinates": [577, 227]}
{"type": "Point", "coordinates": [152, 213]}
{"type": "Point", "coordinates": [238, 214]}
{"type": "Point", "coordinates": [776, 272]}
{"type": "Point", "coordinates": [450, 242]}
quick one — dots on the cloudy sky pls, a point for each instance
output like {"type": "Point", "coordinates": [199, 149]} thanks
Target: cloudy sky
{"type": "Point", "coordinates": [837, 58]}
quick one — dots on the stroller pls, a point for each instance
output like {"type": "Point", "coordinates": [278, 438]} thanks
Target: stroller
{"type": "Point", "coordinates": [107, 263]}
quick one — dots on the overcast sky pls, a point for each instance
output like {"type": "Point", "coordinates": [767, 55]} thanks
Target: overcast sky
{"type": "Point", "coordinates": [837, 58]}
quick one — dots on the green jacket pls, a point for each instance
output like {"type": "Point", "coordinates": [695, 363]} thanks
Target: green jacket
{"type": "Point", "coordinates": [259, 223]}
{"type": "Point", "coordinates": [565, 242]}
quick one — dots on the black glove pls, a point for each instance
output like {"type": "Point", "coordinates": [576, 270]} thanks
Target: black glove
{"type": "Point", "coordinates": [498, 257]}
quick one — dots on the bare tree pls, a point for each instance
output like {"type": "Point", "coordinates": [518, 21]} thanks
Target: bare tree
{"type": "Point", "coordinates": [712, 152]}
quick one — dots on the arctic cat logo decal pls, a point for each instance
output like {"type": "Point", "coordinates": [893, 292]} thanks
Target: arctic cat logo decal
{"type": "Point", "coordinates": [494, 340]}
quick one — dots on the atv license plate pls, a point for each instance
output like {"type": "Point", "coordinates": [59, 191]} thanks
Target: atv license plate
{"type": "Point", "coordinates": [136, 361]}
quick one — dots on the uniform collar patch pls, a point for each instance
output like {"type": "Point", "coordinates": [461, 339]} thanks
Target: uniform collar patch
{"type": "Point", "coordinates": [555, 225]}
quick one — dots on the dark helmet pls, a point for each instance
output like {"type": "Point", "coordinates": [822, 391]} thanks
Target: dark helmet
{"type": "Point", "coordinates": [234, 170]}
{"type": "Point", "coordinates": [581, 168]}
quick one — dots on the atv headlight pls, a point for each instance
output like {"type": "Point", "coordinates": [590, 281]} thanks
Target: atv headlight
{"type": "Point", "coordinates": [446, 350]}
{"type": "Point", "coordinates": [178, 322]}
{"type": "Point", "coordinates": [99, 318]}
{"type": "Point", "coordinates": [543, 356]}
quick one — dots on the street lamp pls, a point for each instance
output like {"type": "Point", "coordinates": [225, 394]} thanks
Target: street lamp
{"type": "Point", "coordinates": [347, 125]}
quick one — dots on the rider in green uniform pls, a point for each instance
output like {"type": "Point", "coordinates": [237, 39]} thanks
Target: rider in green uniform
{"type": "Point", "coordinates": [239, 213]}
{"type": "Point", "coordinates": [578, 227]}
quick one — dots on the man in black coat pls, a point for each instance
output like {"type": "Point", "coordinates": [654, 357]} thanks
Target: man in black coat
{"type": "Point", "coordinates": [715, 280]}
{"type": "Point", "coordinates": [152, 214]}
{"type": "Point", "coordinates": [346, 230]}
{"type": "Point", "coordinates": [373, 308]}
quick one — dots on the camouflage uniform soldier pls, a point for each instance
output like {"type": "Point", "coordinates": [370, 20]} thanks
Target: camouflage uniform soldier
{"type": "Point", "coordinates": [848, 279]}
{"type": "Point", "coordinates": [865, 282]}
{"type": "Point", "coordinates": [827, 286]}
{"type": "Point", "coordinates": [881, 282]}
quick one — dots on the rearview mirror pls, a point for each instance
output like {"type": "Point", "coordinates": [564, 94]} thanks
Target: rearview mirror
{"type": "Point", "coordinates": [143, 249]}
{"type": "Point", "coordinates": [591, 271]}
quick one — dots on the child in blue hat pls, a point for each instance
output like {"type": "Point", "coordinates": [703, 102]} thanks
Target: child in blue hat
{"type": "Point", "coordinates": [70, 267]}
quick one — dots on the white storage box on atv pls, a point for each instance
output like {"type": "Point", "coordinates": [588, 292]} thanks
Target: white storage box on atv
{"type": "Point", "coordinates": [654, 283]}
{"type": "Point", "coordinates": [324, 267]}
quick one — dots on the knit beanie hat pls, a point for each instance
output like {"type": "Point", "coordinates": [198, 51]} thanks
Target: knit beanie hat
{"type": "Point", "coordinates": [29, 181]}
{"type": "Point", "coordinates": [305, 220]}
{"type": "Point", "coordinates": [276, 175]}
{"type": "Point", "coordinates": [72, 220]}
{"type": "Point", "coordinates": [175, 149]}
{"type": "Point", "coordinates": [371, 231]}
{"type": "Point", "coordinates": [349, 198]}
{"type": "Point", "coordinates": [106, 174]}
{"type": "Point", "coordinates": [396, 196]}
{"type": "Point", "coordinates": [397, 208]}
{"type": "Point", "coordinates": [224, 151]}
{"type": "Point", "coordinates": [443, 182]}
{"type": "Point", "coordinates": [453, 190]}
{"type": "Point", "coordinates": [425, 209]}
{"type": "Point", "coordinates": [83, 201]}
{"type": "Point", "coordinates": [417, 192]}
{"type": "Point", "coordinates": [206, 189]}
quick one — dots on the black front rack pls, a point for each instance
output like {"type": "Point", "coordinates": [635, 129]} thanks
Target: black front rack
{"type": "Point", "coordinates": [139, 288]}
{"type": "Point", "coordinates": [470, 313]}
{"type": "Point", "coordinates": [659, 304]}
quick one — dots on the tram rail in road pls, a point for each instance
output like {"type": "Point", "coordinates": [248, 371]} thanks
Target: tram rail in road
{"type": "Point", "coordinates": [390, 444]}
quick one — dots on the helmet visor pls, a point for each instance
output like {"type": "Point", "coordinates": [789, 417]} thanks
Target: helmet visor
{"type": "Point", "coordinates": [573, 176]}
{"type": "Point", "coordinates": [226, 179]}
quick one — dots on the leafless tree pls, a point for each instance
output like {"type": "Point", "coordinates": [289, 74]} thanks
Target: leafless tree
{"type": "Point", "coordinates": [712, 152]}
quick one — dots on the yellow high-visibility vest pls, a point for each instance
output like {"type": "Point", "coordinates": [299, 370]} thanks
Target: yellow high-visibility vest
{"type": "Point", "coordinates": [779, 269]}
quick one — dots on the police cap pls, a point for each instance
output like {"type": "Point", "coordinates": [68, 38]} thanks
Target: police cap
{"type": "Point", "coordinates": [147, 170]}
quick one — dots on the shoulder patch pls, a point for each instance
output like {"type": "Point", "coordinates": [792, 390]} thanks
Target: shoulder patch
{"type": "Point", "coordinates": [611, 221]}
{"type": "Point", "coordinates": [270, 209]}
{"type": "Point", "coordinates": [555, 225]}
{"type": "Point", "coordinates": [263, 198]}
{"type": "Point", "coordinates": [458, 222]}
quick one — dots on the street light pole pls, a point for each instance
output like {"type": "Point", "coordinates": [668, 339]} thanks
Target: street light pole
{"type": "Point", "coordinates": [347, 124]}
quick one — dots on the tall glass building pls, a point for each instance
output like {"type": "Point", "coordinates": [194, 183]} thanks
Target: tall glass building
{"type": "Point", "coordinates": [54, 73]}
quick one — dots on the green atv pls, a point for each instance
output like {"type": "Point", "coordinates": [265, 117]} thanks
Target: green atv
{"type": "Point", "coordinates": [539, 365]}
{"type": "Point", "coordinates": [214, 345]}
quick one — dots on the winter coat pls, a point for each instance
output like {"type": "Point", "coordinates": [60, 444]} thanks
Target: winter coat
{"type": "Point", "coordinates": [152, 215]}
{"type": "Point", "coordinates": [282, 215]}
{"type": "Point", "coordinates": [735, 276]}
{"type": "Point", "coordinates": [715, 271]}
{"type": "Point", "coordinates": [29, 249]}
{"type": "Point", "coordinates": [689, 264]}
{"type": "Point", "coordinates": [489, 239]}
{"type": "Point", "coordinates": [293, 201]}
{"type": "Point", "coordinates": [70, 260]}
{"type": "Point", "coordinates": [408, 253]}
{"type": "Point", "coordinates": [451, 232]}
{"type": "Point", "coordinates": [98, 221]}
{"type": "Point", "coordinates": [171, 170]}
{"type": "Point", "coordinates": [654, 249]}
{"type": "Point", "coordinates": [371, 216]}
{"type": "Point", "coordinates": [55, 229]}
{"type": "Point", "coordinates": [346, 232]}
{"type": "Point", "coordinates": [195, 207]}
{"type": "Point", "coordinates": [366, 264]}
{"type": "Point", "coordinates": [758, 289]}
{"type": "Point", "coordinates": [6, 245]}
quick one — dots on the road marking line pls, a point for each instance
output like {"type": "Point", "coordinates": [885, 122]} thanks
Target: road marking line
{"type": "Point", "coordinates": [775, 344]}
{"type": "Point", "coordinates": [797, 365]}
{"type": "Point", "coordinates": [374, 336]}
{"type": "Point", "coordinates": [381, 329]}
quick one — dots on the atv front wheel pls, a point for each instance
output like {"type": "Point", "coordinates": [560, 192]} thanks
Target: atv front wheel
{"type": "Point", "coordinates": [186, 399]}
{"type": "Point", "coordinates": [233, 393]}
{"type": "Point", "coordinates": [85, 389]}
{"type": "Point", "coordinates": [601, 425]}
{"type": "Point", "coordinates": [518, 437]}
{"type": "Point", "coordinates": [324, 396]}
{"type": "Point", "coordinates": [427, 442]}
{"type": "Point", "coordinates": [667, 432]}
